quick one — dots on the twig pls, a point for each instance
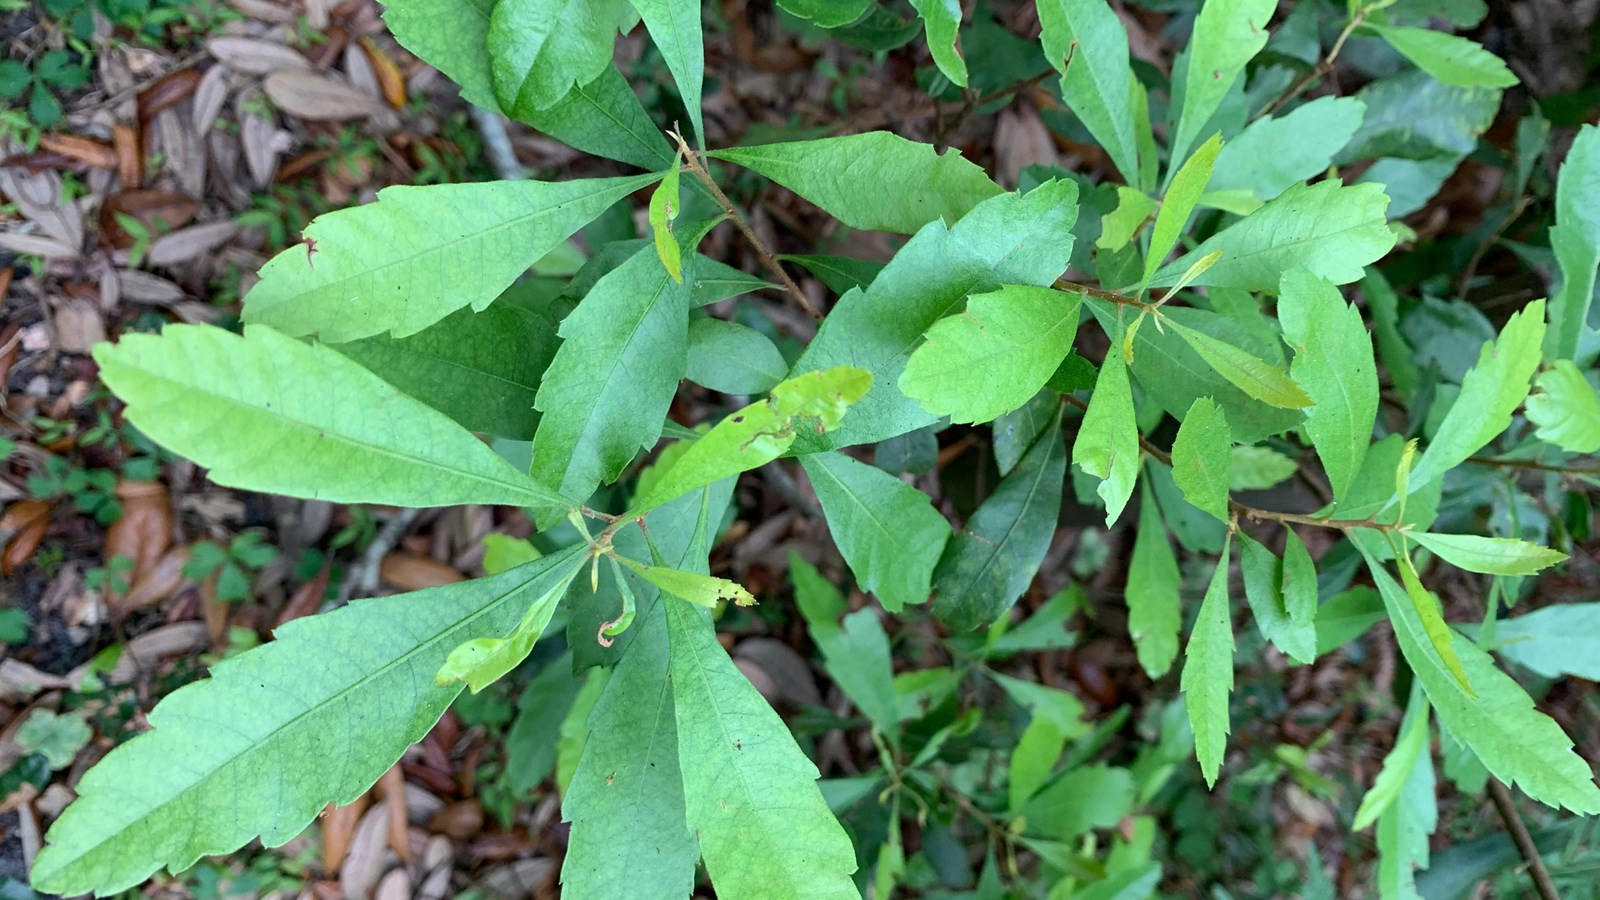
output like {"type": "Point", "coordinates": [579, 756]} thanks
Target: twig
{"type": "Point", "coordinates": [1478, 252]}
{"type": "Point", "coordinates": [1507, 807]}
{"type": "Point", "coordinates": [497, 144]}
{"type": "Point", "coordinates": [1320, 69]}
{"type": "Point", "coordinates": [696, 168]}
{"type": "Point", "coordinates": [363, 576]}
{"type": "Point", "coordinates": [1533, 465]}
{"type": "Point", "coordinates": [1099, 293]}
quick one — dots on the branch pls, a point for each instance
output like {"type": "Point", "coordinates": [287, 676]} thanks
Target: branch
{"type": "Point", "coordinates": [1507, 807]}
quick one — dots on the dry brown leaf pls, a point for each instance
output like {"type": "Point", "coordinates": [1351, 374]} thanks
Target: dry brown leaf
{"type": "Point", "coordinates": [273, 11]}
{"type": "Point", "coordinates": [215, 611]}
{"type": "Point", "coordinates": [318, 97]}
{"type": "Point", "coordinates": [157, 211]}
{"type": "Point", "coordinates": [19, 681]}
{"type": "Point", "coordinates": [169, 91]}
{"type": "Point", "coordinates": [145, 530]}
{"type": "Point", "coordinates": [40, 200]}
{"type": "Point", "coordinates": [260, 137]}
{"type": "Point", "coordinates": [144, 651]}
{"type": "Point", "coordinates": [338, 827]}
{"type": "Point", "coordinates": [79, 326]}
{"type": "Point", "coordinates": [189, 243]}
{"type": "Point", "coordinates": [209, 98]}
{"type": "Point", "coordinates": [461, 820]}
{"type": "Point", "coordinates": [413, 572]}
{"type": "Point", "coordinates": [254, 56]}
{"type": "Point", "coordinates": [394, 886]}
{"type": "Point", "coordinates": [364, 861]}
{"type": "Point", "coordinates": [142, 287]}
{"type": "Point", "coordinates": [392, 788]}
{"type": "Point", "coordinates": [21, 516]}
{"type": "Point", "coordinates": [161, 581]}
{"type": "Point", "coordinates": [183, 155]}
{"type": "Point", "coordinates": [390, 78]}
{"type": "Point", "coordinates": [130, 162]}
{"type": "Point", "coordinates": [37, 245]}
{"type": "Point", "coordinates": [1021, 140]}
{"type": "Point", "coordinates": [787, 671]}
{"type": "Point", "coordinates": [89, 152]}
{"type": "Point", "coordinates": [307, 598]}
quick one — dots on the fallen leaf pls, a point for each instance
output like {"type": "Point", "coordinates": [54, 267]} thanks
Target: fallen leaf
{"type": "Point", "coordinates": [390, 79]}
{"type": "Point", "coordinates": [79, 326]}
{"type": "Point", "coordinates": [273, 11]}
{"type": "Point", "coordinates": [1021, 140]}
{"type": "Point", "coordinates": [209, 98]}
{"type": "Point", "coordinates": [22, 526]}
{"type": "Point", "coordinates": [364, 861]}
{"type": "Point", "coordinates": [36, 245]}
{"type": "Point", "coordinates": [318, 97]}
{"type": "Point", "coordinates": [162, 580]}
{"type": "Point", "coordinates": [307, 599]}
{"type": "Point", "coordinates": [338, 827]}
{"type": "Point", "coordinates": [158, 211]}
{"type": "Point", "coordinates": [89, 152]}
{"type": "Point", "coordinates": [392, 788]}
{"type": "Point", "coordinates": [461, 820]}
{"type": "Point", "coordinates": [40, 200]}
{"type": "Point", "coordinates": [167, 92]}
{"type": "Point", "coordinates": [254, 56]}
{"type": "Point", "coordinates": [144, 651]}
{"type": "Point", "coordinates": [189, 243]}
{"type": "Point", "coordinates": [142, 287]}
{"type": "Point", "coordinates": [413, 572]}
{"type": "Point", "coordinates": [130, 162]}
{"type": "Point", "coordinates": [145, 530]}
{"type": "Point", "coordinates": [396, 885]}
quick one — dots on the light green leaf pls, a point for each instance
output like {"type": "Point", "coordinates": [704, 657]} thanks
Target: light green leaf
{"type": "Point", "coordinates": [941, 19]}
{"type": "Point", "coordinates": [1300, 592]}
{"type": "Point", "coordinates": [256, 410]}
{"type": "Point", "coordinates": [1083, 799]}
{"type": "Point", "coordinates": [1491, 556]}
{"type": "Point", "coordinates": [1565, 408]}
{"type": "Point", "coordinates": [1227, 35]}
{"type": "Point", "coordinates": [701, 590]}
{"type": "Point", "coordinates": [336, 699]}
{"type": "Point", "coordinates": [1119, 227]}
{"type": "Point", "coordinates": [541, 50]}
{"type": "Point", "coordinates": [1429, 611]}
{"type": "Point", "coordinates": [1409, 746]}
{"type": "Point", "coordinates": [1264, 588]}
{"type": "Point", "coordinates": [1273, 154]}
{"type": "Point", "coordinates": [1098, 82]}
{"type": "Point", "coordinates": [1490, 392]}
{"type": "Point", "coordinates": [502, 553]}
{"type": "Point", "coordinates": [1256, 377]}
{"type": "Point", "coordinates": [991, 561]}
{"type": "Point", "coordinates": [887, 530]}
{"type": "Point", "coordinates": [1009, 239]}
{"type": "Point", "coordinates": [1208, 673]}
{"type": "Point", "coordinates": [1553, 642]}
{"type": "Point", "coordinates": [1107, 445]}
{"type": "Point", "coordinates": [1032, 761]}
{"type": "Point", "coordinates": [674, 26]}
{"type": "Point", "coordinates": [481, 369]}
{"type": "Point", "coordinates": [1575, 238]}
{"type": "Point", "coordinates": [1179, 202]}
{"type": "Point", "coordinates": [480, 662]}
{"type": "Point", "coordinates": [451, 36]}
{"type": "Point", "coordinates": [1403, 832]}
{"type": "Point", "coordinates": [665, 204]}
{"type": "Point", "coordinates": [1330, 230]}
{"type": "Point", "coordinates": [1252, 468]}
{"type": "Point", "coordinates": [733, 358]}
{"type": "Point", "coordinates": [421, 253]}
{"type": "Point", "coordinates": [753, 803]}
{"type": "Point", "coordinates": [1334, 363]}
{"type": "Point", "coordinates": [877, 180]}
{"type": "Point", "coordinates": [57, 738]}
{"type": "Point", "coordinates": [1520, 745]}
{"type": "Point", "coordinates": [857, 655]}
{"type": "Point", "coordinates": [826, 13]}
{"type": "Point", "coordinates": [603, 117]}
{"type": "Point", "coordinates": [1201, 462]}
{"type": "Point", "coordinates": [623, 352]}
{"type": "Point", "coordinates": [1455, 61]}
{"type": "Point", "coordinates": [1155, 608]}
{"type": "Point", "coordinates": [759, 433]}
{"type": "Point", "coordinates": [1022, 330]}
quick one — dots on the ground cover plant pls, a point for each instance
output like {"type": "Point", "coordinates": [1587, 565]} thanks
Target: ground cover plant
{"type": "Point", "coordinates": [1210, 318]}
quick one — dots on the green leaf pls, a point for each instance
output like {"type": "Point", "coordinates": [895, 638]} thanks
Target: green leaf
{"type": "Point", "coordinates": [1300, 592]}
{"type": "Point", "coordinates": [1107, 445]}
{"type": "Point", "coordinates": [1155, 608]}
{"type": "Point", "coordinates": [1403, 831]}
{"type": "Point", "coordinates": [1334, 363]}
{"type": "Point", "coordinates": [502, 553]}
{"type": "Point", "coordinates": [57, 738]}
{"type": "Point", "coordinates": [1490, 393]}
{"type": "Point", "coordinates": [1410, 115]}
{"type": "Point", "coordinates": [335, 699]}
{"type": "Point", "coordinates": [623, 352]}
{"type": "Point", "coordinates": [733, 358]}
{"type": "Point", "coordinates": [1491, 556]}
{"type": "Point", "coordinates": [1083, 799]}
{"type": "Point", "coordinates": [1023, 331]}
{"type": "Point", "coordinates": [887, 530]}
{"type": "Point", "coordinates": [421, 253]}
{"type": "Point", "coordinates": [1227, 35]}
{"type": "Point", "coordinates": [857, 655]}
{"type": "Point", "coordinates": [451, 36]}
{"type": "Point", "coordinates": [1430, 613]}
{"type": "Point", "coordinates": [480, 662]}
{"type": "Point", "coordinates": [1575, 238]}
{"type": "Point", "coordinates": [674, 26]}
{"type": "Point", "coordinates": [1119, 227]}
{"type": "Point", "coordinates": [753, 803]}
{"type": "Point", "coordinates": [1260, 379]}
{"type": "Point", "coordinates": [1265, 587]}
{"type": "Point", "coordinates": [1179, 203]}
{"type": "Point", "coordinates": [1455, 61]}
{"type": "Point", "coordinates": [941, 19]}
{"type": "Point", "coordinates": [759, 433]}
{"type": "Point", "coordinates": [1201, 462]}
{"type": "Point", "coordinates": [839, 273]}
{"type": "Point", "coordinates": [14, 79]}
{"type": "Point", "coordinates": [1097, 82]}
{"type": "Point", "coordinates": [1252, 468]}
{"type": "Point", "coordinates": [877, 180]}
{"type": "Point", "coordinates": [1009, 239]}
{"type": "Point", "coordinates": [665, 204]}
{"type": "Point", "coordinates": [541, 50]}
{"type": "Point", "coordinates": [1409, 746]}
{"type": "Point", "coordinates": [826, 13]}
{"type": "Point", "coordinates": [256, 410]}
{"type": "Point", "coordinates": [988, 565]}
{"type": "Point", "coordinates": [1208, 673]}
{"type": "Point", "coordinates": [1520, 745]}
{"type": "Point", "coordinates": [603, 117]}
{"type": "Point", "coordinates": [1346, 617]}
{"type": "Point", "coordinates": [1273, 154]}
{"type": "Point", "coordinates": [1553, 642]}
{"type": "Point", "coordinates": [694, 587]}
{"type": "Point", "coordinates": [1565, 409]}
{"type": "Point", "coordinates": [481, 369]}
{"type": "Point", "coordinates": [1015, 432]}
{"type": "Point", "coordinates": [1330, 230]}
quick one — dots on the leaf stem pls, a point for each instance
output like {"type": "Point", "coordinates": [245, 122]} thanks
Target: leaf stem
{"type": "Point", "coordinates": [1100, 293]}
{"type": "Point", "coordinates": [698, 169]}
